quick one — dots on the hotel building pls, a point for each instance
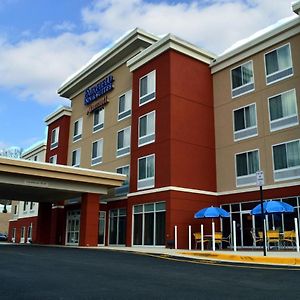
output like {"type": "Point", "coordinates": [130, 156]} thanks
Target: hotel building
{"type": "Point", "coordinates": [188, 128]}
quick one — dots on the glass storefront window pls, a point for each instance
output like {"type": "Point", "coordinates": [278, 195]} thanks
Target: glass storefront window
{"type": "Point", "coordinates": [117, 226]}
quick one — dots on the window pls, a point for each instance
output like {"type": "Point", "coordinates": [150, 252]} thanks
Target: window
{"type": "Point", "coordinates": [247, 164]}
{"type": "Point", "coordinates": [242, 79]}
{"type": "Point", "coordinates": [25, 203]}
{"type": "Point", "coordinates": [117, 226]}
{"type": "Point", "coordinates": [15, 209]}
{"type": "Point", "coordinates": [149, 222]}
{"type": "Point", "coordinates": [76, 158]}
{"type": "Point", "coordinates": [77, 130]}
{"type": "Point", "coordinates": [147, 128]}
{"type": "Point", "coordinates": [29, 233]}
{"type": "Point", "coordinates": [146, 170]}
{"type": "Point", "coordinates": [286, 159]}
{"type": "Point", "coordinates": [245, 122]}
{"type": "Point", "coordinates": [278, 64]}
{"type": "Point", "coordinates": [123, 142]}
{"type": "Point", "coordinates": [125, 105]}
{"type": "Point", "coordinates": [147, 88]}
{"type": "Point", "coordinates": [97, 152]}
{"type": "Point", "coordinates": [31, 205]}
{"type": "Point", "coordinates": [54, 138]}
{"type": "Point", "coordinates": [53, 159]}
{"type": "Point", "coordinates": [125, 186]}
{"type": "Point", "coordinates": [283, 110]}
{"type": "Point", "coordinates": [98, 119]}
{"type": "Point", "coordinates": [35, 158]}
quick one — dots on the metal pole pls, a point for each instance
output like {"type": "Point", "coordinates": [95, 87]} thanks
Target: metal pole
{"type": "Point", "coordinates": [202, 242]}
{"type": "Point", "coordinates": [296, 234]}
{"type": "Point", "coordinates": [175, 242]}
{"type": "Point", "coordinates": [190, 237]}
{"type": "Point", "coordinates": [263, 219]}
{"type": "Point", "coordinates": [213, 236]}
{"type": "Point", "coordinates": [234, 236]}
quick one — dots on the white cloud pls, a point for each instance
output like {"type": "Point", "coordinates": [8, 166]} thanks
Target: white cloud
{"type": "Point", "coordinates": [37, 67]}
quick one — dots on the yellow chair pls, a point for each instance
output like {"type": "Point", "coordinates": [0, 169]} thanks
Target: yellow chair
{"type": "Point", "coordinates": [197, 237]}
{"type": "Point", "coordinates": [219, 239]}
{"type": "Point", "coordinates": [273, 237]}
{"type": "Point", "coordinates": [289, 237]}
{"type": "Point", "coordinates": [257, 239]}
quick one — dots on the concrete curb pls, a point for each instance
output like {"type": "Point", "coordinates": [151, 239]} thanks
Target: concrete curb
{"type": "Point", "coordinates": [288, 261]}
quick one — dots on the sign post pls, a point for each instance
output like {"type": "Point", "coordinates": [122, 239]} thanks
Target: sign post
{"type": "Point", "coordinates": [260, 182]}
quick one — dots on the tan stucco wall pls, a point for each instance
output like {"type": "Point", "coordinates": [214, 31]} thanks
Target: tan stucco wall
{"type": "Point", "coordinates": [224, 106]}
{"type": "Point", "coordinates": [4, 219]}
{"type": "Point", "coordinates": [122, 83]}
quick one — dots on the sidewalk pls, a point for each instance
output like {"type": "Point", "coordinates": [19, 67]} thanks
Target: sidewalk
{"type": "Point", "coordinates": [287, 258]}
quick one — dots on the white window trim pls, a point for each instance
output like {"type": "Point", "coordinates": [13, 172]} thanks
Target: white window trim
{"type": "Point", "coordinates": [54, 157]}
{"type": "Point", "coordinates": [232, 89]}
{"type": "Point", "coordinates": [152, 141]}
{"type": "Point", "coordinates": [80, 133]}
{"type": "Point", "coordinates": [120, 119]}
{"type": "Point", "coordinates": [79, 151]}
{"type": "Point", "coordinates": [295, 115]}
{"type": "Point", "coordinates": [280, 70]}
{"type": "Point", "coordinates": [94, 158]}
{"type": "Point", "coordinates": [94, 126]}
{"type": "Point", "coordinates": [249, 175]}
{"type": "Point", "coordinates": [282, 170]}
{"type": "Point", "coordinates": [118, 156]}
{"type": "Point", "coordinates": [145, 179]}
{"type": "Point", "coordinates": [151, 99]}
{"type": "Point", "coordinates": [252, 127]}
{"type": "Point", "coordinates": [55, 143]}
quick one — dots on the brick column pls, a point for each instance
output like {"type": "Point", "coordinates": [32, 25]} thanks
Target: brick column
{"type": "Point", "coordinates": [44, 223]}
{"type": "Point", "coordinates": [89, 219]}
{"type": "Point", "coordinates": [57, 236]}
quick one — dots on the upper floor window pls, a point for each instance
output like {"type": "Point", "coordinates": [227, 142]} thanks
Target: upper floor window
{"type": "Point", "coordinates": [76, 158]}
{"type": "Point", "coordinates": [242, 79]}
{"type": "Point", "coordinates": [123, 142]}
{"type": "Point", "coordinates": [35, 158]}
{"type": "Point", "coordinates": [54, 138]}
{"type": "Point", "coordinates": [125, 105]}
{"type": "Point", "coordinates": [247, 164]}
{"type": "Point", "coordinates": [77, 130]}
{"type": "Point", "coordinates": [53, 159]}
{"type": "Point", "coordinates": [147, 128]}
{"type": "Point", "coordinates": [97, 152]}
{"type": "Point", "coordinates": [125, 186]}
{"type": "Point", "coordinates": [278, 64]}
{"type": "Point", "coordinates": [286, 158]}
{"type": "Point", "coordinates": [98, 122]}
{"type": "Point", "coordinates": [283, 110]}
{"type": "Point", "coordinates": [146, 170]}
{"type": "Point", "coordinates": [147, 88]}
{"type": "Point", "coordinates": [25, 205]}
{"type": "Point", "coordinates": [245, 122]}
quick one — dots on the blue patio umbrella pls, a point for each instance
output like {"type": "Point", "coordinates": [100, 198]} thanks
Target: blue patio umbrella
{"type": "Point", "coordinates": [272, 207]}
{"type": "Point", "coordinates": [211, 212]}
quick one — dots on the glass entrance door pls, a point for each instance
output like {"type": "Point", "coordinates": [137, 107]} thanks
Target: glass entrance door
{"type": "Point", "coordinates": [101, 232]}
{"type": "Point", "coordinates": [73, 225]}
{"type": "Point", "coordinates": [247, 227]}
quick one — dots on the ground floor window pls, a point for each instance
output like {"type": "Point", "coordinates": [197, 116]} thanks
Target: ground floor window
{"type": "Point", "coordinates": [13, 236]}
{"type": "Point", "coordinates": [149, 224]}
{"type": "Point", "coordinates": [22, 234]}
{"type": "Point", "coordinates": [101, 231]}
{"type": "Point", "coordinates": [29, 233]}
{"type": "Point", "coordinates": [248, 226]}
{"type": "Point", "coordinates": [73, 225]}
{"type": "Point", "coordinates": [117, 226]}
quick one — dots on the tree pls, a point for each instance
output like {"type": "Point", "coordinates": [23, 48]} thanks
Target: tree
{"type": "Point", "coordinates": [12, 152]}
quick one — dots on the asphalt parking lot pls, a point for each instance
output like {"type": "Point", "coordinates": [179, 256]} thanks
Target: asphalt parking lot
{"type": "Point", "coordinates": [33, 272]}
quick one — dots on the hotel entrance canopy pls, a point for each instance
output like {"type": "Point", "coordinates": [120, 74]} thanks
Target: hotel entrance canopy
{"type": "Point", "coordinates": [42, 182]}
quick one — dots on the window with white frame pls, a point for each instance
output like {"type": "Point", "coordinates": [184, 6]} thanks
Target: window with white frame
{"type": "Point", "coordinates": [125, 105]}
{"type": "Point", "coordinates": [97, 152]}
{"type": "Point", "coordinates": [147, 128]}
{"type": "Point", "coordinates": [242, 79]}
{"type": "Point", "coordinates": [98, 122]}
{"type": "Point", "coordinates": [286, 159]}
{"type": "Point", "coordinates": [125, 186]}
{"type": "Point", "coordinates": [278, 64]}
{"type": "Point", "coordinates": [76, 158]}
{"type": "Point", "coordinates": [245, 123]}
{"type": "Point", "coordinates": [54, 138]}
{"type": "Point", "coordinates": [123, 142]}
{"type": "Point", "coordinates": [77, 130]}
{"type": "Point", "coordinates": [53, 159]}
{"type": "Point", "coordinates": [147, 87]}
{"type": "Point", "coordinates": [283, 110]}
{"type": "Point", "coordinates": [146, 171]}
{"type": "Point", "coordinates": [247, 164]}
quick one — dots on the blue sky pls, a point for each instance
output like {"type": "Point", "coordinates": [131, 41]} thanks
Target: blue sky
{"type": "Point", "coordinates": [43, 42]}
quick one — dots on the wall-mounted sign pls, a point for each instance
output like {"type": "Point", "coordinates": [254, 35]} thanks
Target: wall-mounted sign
{"type": "Point", "coordinates": [99, 104]}
{"type": "Point", "coordinates": [93, 93]}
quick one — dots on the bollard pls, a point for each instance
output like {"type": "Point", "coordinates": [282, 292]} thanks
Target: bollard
{"type": "Point", "coordinates": [213, 236]}
{"type": "Point", "coordinates": [175, 237]}
{"type": "Point", "coordinates": [297, 234]}
{"type": "Point", "coordinates": [234, 235]}
{"type": "Point", "coordinates": [190, 237]}
{"type": "Point", "coordinates": [202, 242]}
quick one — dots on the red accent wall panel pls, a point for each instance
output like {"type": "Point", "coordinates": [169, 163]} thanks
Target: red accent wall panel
{"type": "Point", "coordinates": [18, 224]}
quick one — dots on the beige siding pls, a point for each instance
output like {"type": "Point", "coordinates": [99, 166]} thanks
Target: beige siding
{"type": "Point", "coordinates": [224, 106]}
